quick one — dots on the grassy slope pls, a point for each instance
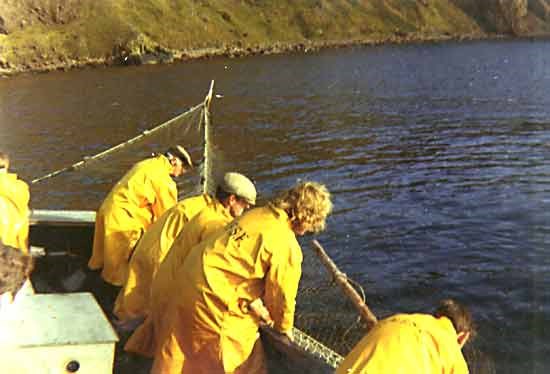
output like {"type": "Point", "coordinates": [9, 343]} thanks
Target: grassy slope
{"type": "Point", "coordinates": [77, 32]}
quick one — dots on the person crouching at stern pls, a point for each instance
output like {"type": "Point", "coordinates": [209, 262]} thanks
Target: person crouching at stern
{"type": "Point", "coordinates": [414, 343]}
{"type": "Point", "coordinates": [255, 258]}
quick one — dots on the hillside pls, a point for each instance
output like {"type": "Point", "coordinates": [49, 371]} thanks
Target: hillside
{"type": "Point", "coordinates": [40, 35]}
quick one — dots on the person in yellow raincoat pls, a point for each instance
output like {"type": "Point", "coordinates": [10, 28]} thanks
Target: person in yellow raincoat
{"type": "Point", "coordinates": [234, 194]}
{"type": "Point", "coordinates": [14, 207]}
{"type": "Point", "coordinates": [134, 203]}
{"type": "Point", "coordinates": [257, 256]}
{"type": "Point", "coordinates": [132, 303]}
{"type": "Point", "coordinates": [414, 343]}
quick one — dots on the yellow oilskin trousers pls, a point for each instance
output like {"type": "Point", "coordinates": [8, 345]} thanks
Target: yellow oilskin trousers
{"type": "Point", "coordinates": [133, 299]}
{"type": "Point", "coordinates": [212, 218]}
{"type": "Point", "coordinates": [256, 256]}
{"type": "Point", "coordinates": [407, 343]}
{"type": "Point", "coordinates": [14, 211]}
{"type": "Point", "coordinates": [134, 203]}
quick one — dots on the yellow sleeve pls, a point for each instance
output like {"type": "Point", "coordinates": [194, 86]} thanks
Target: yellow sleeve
{"type": "Point", "coordinates": [166, 196]}
{"type": "Point", "coordinates": [211, 227]}
{"type": "Point", "coordinates": [16, 232]}
{"type": "Point", "coordinates": [460, 366]}
{"type": "Point", "coordinates": [281, 285]}
{"type": "Point", "coordinates": [23, 194]}
{"type": "Point", "coordinates": [198, 229]}
{"type": "Point", "coordinates": [23, 201]}
{"type": "Point", "coordinates": [174, 224]}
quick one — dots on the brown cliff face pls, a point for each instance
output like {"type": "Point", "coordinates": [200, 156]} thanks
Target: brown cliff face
{"type": "Point", "coordinates": [20, 14]}
{"type": "Point", "coordinates": [509, 17]}
{"type": "Point", "coordinates": [540, 8]}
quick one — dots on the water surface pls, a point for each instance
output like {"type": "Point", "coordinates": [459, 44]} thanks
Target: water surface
{"type": "Point", "coordinates": [437, 155]}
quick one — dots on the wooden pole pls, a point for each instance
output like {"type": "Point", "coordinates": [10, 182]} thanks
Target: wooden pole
{"type": "Point", "coordinates": [208, 182]}
{"type": "Point", "coordinates": [342, 281]}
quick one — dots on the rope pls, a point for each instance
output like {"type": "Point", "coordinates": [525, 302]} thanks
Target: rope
{"type": "Point", "coordinates": [117, 147]}
{"type": "Point", "coordinates": [310, 345]}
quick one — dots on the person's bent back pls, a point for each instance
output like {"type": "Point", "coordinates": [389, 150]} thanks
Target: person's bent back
{"type": "Point", "coordinates": [234, 195]}
{"type": "Point", "coordinates": [132, 300]}
{"type": "Point", "coordinates": [134, 203]}
{"type": "Point", "coordinates": [209, 316]}
{"type": "Point", "coordinates": [414, 343]}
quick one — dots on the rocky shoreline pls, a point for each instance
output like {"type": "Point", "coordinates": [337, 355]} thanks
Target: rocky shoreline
{"type": "Point", "coordinates": [156, 54]}
{"type": "Point", "coordinates": [38, 36]}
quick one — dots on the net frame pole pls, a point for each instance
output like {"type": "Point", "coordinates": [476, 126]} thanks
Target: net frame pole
{"type": "Point", "coordinates": [342, 280]}
{"type": "Point", "coordinates": [207, 184]}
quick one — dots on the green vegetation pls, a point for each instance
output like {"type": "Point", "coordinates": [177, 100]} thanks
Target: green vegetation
{"type": "Point", "coordinates": [59, 34]}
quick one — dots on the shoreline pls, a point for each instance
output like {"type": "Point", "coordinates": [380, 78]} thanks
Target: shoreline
{"type": "Point", "coordinates": [162, 55]}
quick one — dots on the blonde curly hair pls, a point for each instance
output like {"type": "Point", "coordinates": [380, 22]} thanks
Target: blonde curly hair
{"type": "Point", "coordinates": [308, 203]}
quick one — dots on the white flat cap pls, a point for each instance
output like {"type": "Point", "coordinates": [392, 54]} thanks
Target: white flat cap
{"type": "Point", "coordinates": [239, 185]}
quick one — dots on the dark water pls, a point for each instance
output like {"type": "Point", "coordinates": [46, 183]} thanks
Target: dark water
{"type": "Point", "coordinates": [438, 157]}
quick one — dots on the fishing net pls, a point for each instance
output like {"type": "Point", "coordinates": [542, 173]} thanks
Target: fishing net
{"type": "Point", "coordinates": [328, 324]}
{"type": "Point", "coordinates": [328, 316]}
{"type": "Point", "coordinates": [323, 332]}
{"type": "Point", "coordinates": [190, 129]}
{"type": "Point", "coordinates": [325, 313]}
{"type": "Point", "coordinates": [333, 322]}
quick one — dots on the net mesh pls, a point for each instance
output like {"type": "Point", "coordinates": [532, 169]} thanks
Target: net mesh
{"type": "Point", "coordinates": [102, 170]}
{"type": "Point", "coordinates": [323, 311]}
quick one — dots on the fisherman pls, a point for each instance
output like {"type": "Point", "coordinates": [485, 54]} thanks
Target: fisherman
{"type": "Point", "coordinates": [235, 193]}
{"type": "Point", "coordinates": [134, 203]}
{"type": "Point", "coordinates": [14, 207]}
{"type": "Point", "coordinates": [414, 343]}
{"type": "Point", "coordinates": [257, 256]}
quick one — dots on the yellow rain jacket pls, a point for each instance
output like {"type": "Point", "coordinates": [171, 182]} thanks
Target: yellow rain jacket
{"type": "Point", "coordinates": [134, 203]}
{"type": "Point", "coordinates": [256, 256]}
{"type": "Point", "coordinates": [407, 343]}
{"type": "Point", "coordinates": [133, 299]}
{"type": "Point", "coordinates": [14, 211]}
{"type": "Point", "coordinates": [212, 218]}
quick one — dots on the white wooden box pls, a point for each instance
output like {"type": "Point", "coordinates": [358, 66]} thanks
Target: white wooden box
{"type": "Point", "coordinates": [55, 334]}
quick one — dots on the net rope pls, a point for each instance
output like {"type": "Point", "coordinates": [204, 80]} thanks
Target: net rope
{"type": "Point", "coordinates": [315, 347]}
{"type": "Point", "coordinates": [100, 171]}
{"type": "Point", "coordinates": [324, 313]}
